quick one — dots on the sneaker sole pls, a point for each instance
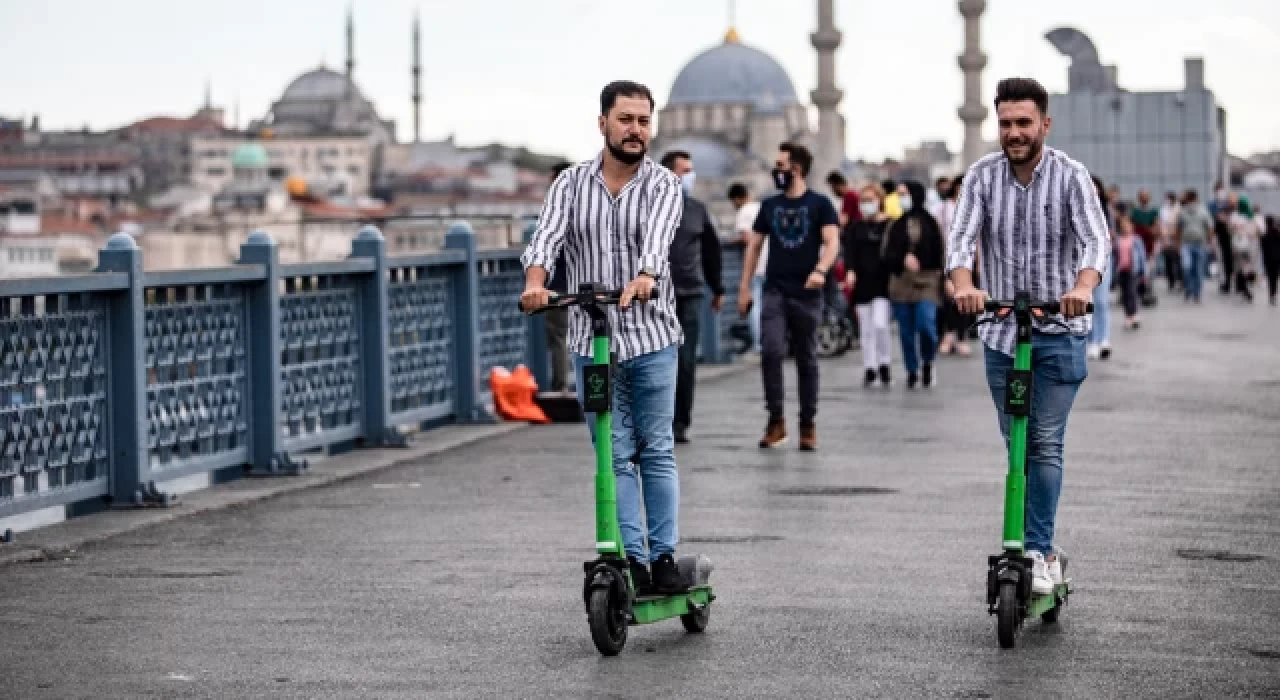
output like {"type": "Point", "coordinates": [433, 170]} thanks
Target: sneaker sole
{"type": "Point", "coordinates": [770, 446]}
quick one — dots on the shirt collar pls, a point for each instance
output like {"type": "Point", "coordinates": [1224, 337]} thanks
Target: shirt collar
{"type": "Point", "coordinates": [1045, 154]}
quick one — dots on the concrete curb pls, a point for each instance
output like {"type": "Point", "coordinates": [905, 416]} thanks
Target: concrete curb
{"type": "Point", "coordinates": [57, 541]}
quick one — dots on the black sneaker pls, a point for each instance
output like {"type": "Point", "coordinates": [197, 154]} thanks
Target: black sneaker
{"type": "Point", "coordinates": [926, 376]}
{"type": "Point", "coordinates": [912, 380]}
{"type": "Point", "coordinates": [869, 378]}
{"type": "Point", "coordinates": [682, 436]}
{"type": "Point", "coordinates": [666, 575]}
{"type": "Point", "coordinates": [884, 375]}
{"type": "Point", "coordinates": [639, 575]}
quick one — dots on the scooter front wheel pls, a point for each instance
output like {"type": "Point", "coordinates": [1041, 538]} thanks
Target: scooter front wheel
{"type": "Point", "coordinates": [696, 622]}
{"type": "Point", "coordinates": [1007, 615]}
{"type": "Point", "coordinates": [608, 622]}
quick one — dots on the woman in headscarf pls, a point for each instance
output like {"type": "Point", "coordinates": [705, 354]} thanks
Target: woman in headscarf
{"type": "Point", "coordinates": [914, 258]}
{"type": "Point", "coordinates": [1244, 240]}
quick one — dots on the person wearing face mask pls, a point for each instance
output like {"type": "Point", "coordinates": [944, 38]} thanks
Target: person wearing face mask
{"type": "Point", "coordinates": [914, 258]}
{"type": "Point", "coordinates": [862, 244]}
{"type": "Point", "coordinates": [952, 325]}
{"type": "Point", "coordinates": [695, 266]}
{"type": "Point", "coordinates": [802, 229]}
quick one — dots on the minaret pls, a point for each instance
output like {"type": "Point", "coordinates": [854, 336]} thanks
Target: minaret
{"type": "Point", "coordinates": [417, 73]}
{"type": "Point", "coordinates": [351, 51]}
{"type": "Point", "coordinates": [829, 154]}
{"type": "Point", "coordinates": [972, 61]}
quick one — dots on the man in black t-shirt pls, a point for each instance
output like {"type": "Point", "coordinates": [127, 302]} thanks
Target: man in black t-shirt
{"type": "Point", "coordinates": [803, 234]}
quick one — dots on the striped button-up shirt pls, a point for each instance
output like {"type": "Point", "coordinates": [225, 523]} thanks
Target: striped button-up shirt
{"type": "Point", "coordinates": [1034, 239]}
{"type": "Point", "coordinates": [607, 241]}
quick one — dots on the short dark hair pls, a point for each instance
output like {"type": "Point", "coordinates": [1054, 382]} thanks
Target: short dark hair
{"type": "Point", "coordinates": [889, 186]}
{"type": "Point", "coordinates": [1019, 89]}
{"type": "Point", "coordinates": [559, 168]}
{"type": "Point", "coordinates": [1191, 195]}
{"type": "Point", "coordinates": [737, 191]}
{"type": "Point", "coordinates": [670, 157]}
{"type": "Point", "coordinates": [622, 88]}
{"type": "Point", "coordinates": [799, 156]}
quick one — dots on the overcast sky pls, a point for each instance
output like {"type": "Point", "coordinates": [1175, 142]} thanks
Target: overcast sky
{"type": "Point", "coordinates": [528, 72]}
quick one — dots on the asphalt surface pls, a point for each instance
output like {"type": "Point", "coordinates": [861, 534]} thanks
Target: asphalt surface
{"type": "Point", "coordinates": [857, 571]}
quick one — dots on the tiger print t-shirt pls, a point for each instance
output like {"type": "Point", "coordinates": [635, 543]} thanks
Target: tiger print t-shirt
{"type": "Point", "coordinates": [793, 232]}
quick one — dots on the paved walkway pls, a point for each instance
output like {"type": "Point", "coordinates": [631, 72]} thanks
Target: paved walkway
{"type": "Point", "coordinates": [857, 571]}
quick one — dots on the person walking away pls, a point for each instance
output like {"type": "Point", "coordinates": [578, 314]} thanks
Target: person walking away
{"type": "Point", "coordinates": [1031, 197]}
{"type": "Point", "coordinates": [614, 217]}
{"type": "Point", "coordinates": [1099, 344]}
{"type": "Point", "coordinates": [1130, 265]}
{"type": "Point", "coordinates": [1244, 236]}
{"type": "Point", "coordinates": [695, 264]}
{"type": "Point", "coordinates": [1195, 230]}
{"type": "Point", "coordinates": [863, 245]}
{"type": "Point", "coordinates": [1145, 218]}
{"type": "Point", "coordinates": [802, 229]}
{"type": "Point", "coordinates": [745, 211]}
{"type": "Point", "coordinates": [913, 257]}
{"type": "Point", "coordinates": [556, 321]}
{"type": "Point", "coordinates": [1170, 245]}
{"type": "Point", "coordinates": [1270, 245]}
{"type": "Point", "coordinates": [952, 325]}
{"type": "Point", "coordinates": [1226, 206]}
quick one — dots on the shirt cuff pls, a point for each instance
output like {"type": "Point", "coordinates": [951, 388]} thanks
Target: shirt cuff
{"type": "Point", "coordinates": [959, 258]}
{"type": "Point", "coordinates": [658, 263]}
{"type": "Point", "coordinates": [537, 257]}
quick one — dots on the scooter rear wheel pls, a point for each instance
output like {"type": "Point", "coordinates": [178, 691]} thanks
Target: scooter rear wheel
{"type": "Point", "coordinates": [608, 623]}
{"type": "Point", "coordinates": [1007, 615]}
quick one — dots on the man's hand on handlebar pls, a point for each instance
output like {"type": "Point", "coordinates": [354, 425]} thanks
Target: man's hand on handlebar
{"type": "Point", "coordinates": [640, 289]}
{"type": "Point", "coordinates": [1076, 302]}
{"type": "Point", "coordinates": [970, 300]}
{"type": "Point", "coordinates": [534, 298]}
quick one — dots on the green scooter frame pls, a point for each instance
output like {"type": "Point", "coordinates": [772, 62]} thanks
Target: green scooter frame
{"type": "Point", "coordinates": [610, 596]}
{"type": "Point", "coordinates": [1009, 595]}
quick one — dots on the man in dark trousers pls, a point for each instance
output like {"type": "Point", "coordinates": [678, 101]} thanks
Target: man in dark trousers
{"type": "Point", "coordinates": [557, 320]}
{"type": "Point", "coordinates": [695, 265]}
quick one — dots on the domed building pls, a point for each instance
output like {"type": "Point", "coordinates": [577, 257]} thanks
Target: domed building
{"type": "Point", "coordinates": [324, 102]}
{"type": "Point", "coordinates": [729, 108]}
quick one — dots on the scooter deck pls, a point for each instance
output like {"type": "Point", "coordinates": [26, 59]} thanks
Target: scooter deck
{"type": "Point", "coordinates": [653, 608]}
{"type": "Point", "coordinates": [1041, 604]}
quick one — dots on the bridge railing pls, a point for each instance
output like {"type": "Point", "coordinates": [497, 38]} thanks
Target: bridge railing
{"type": "Point", "coordinates": [115, 383]}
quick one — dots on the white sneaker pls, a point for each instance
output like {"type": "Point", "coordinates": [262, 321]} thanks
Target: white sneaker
{"type": "Point", "coordinates": [1055, 571]}
{"type": "Point", "coordinates": [1093, 351]}
{"type": "Point", "coordinates": [1041, 584]}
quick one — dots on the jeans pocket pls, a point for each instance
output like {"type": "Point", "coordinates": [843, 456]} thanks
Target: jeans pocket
{"type": "Point", "coordinates": [1067, 364]}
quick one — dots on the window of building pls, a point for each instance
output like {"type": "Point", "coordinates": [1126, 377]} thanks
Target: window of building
{"type": "Point", "coordinates": [215, 172]}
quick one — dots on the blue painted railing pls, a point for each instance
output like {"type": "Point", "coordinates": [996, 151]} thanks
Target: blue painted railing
{"type": "Point", "coordinates": [119, 380]}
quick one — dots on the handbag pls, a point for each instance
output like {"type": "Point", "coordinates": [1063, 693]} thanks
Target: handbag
{"type": "Point", "coordinates": [920, 285]}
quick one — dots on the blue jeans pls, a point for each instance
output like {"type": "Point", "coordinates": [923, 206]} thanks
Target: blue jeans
{"type": "Point", "coordinates": [753, 316]}
{"type": "Point", "coordinates": [917, 319]}
{"type": "Point", "coordinates": [644, 401]}
{"type": "Point", "coordinates": [1058, 367]}
{"type": "Point", "coordinates": [1193, 272]}
{"type": "Point", "coordinates": [1100, 332]}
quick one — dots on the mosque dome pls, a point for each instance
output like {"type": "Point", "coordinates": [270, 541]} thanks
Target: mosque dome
{"type": "Point", "coordinates": [321, 84]}
{"type": "Point", "coordinates": [733, 73]}
{"type": "Point", "coordinates": [249, 156]}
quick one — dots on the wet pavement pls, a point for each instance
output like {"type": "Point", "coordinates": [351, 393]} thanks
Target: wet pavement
{"type": "Point", "coordinates": [857, 571]}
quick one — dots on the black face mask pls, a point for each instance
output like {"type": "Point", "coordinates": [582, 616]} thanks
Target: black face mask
{"type": "Point", "coordinates": [782, 178]}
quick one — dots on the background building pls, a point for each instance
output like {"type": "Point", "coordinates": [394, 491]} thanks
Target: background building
{"type": "Point", "coordinates": [1160, 141]}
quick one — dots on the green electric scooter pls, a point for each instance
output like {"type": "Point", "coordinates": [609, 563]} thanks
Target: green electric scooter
{"type": "Point", "coordinates": [1009, 595]}
{"type": "Point", "coordinates": [610, 596]}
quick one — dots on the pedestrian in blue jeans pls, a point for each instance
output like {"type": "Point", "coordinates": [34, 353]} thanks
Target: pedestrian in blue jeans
{"type": "Point", "coordinates": [913, 256]}
{"type": "Point", "coordinates": [1024, 206]}
{"type": "Point", "coordinates": [1195, 227]}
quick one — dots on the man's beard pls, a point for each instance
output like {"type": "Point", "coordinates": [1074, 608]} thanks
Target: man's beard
{"type": "Point", "coordinates": [1033, 149]}
{"type": "Point", "coordinates": [626, 156]}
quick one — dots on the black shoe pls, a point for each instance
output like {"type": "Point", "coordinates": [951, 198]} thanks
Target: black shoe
{"type": "Point", "coordinates": [639, 576]}
{"type": "Point", "coordinates": [884, 375]}
{"type": "Point", "coordinates": [682, 436]}
{"type": "Point", "coordinates": [926, 376]}
{"type": "Point", "coordinates": [869, 378]}
{"type": "Point", "coordinates": [666, 575]}
{"type": "Point", "coordinates": [912, 379]}
{"type": "Point", "coordinates": [1104, 353]}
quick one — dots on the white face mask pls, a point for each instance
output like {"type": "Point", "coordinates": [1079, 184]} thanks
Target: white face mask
{"type": "Point", "coordinates": [905, 202]}
{"type": "Point", "coordinates": [686, 182]}
{"type": "Point", "coordinates": [869, 207]}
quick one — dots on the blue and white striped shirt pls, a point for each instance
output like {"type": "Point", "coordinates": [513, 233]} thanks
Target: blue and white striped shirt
{"type": "Point", "coordinates": [1034, 239]}
{"type": "Point", "coordinates": [607, 240]}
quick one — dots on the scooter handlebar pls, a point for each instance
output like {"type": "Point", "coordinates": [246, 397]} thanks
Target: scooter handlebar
{"type": "Point", "coordinates": [1050, 307]}
{"type": "Point", "coordinates": [563, 301]}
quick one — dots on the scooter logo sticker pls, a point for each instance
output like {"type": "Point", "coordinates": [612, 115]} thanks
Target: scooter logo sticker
{"type": "Point", "coordinates": [596, 381]}
{"type": "Point", "coordinates": [1019, 390]}
{"type": "Point", "coordinates": [1017, 393]}
{"type": "Point", "coordinates": [597, 385]}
